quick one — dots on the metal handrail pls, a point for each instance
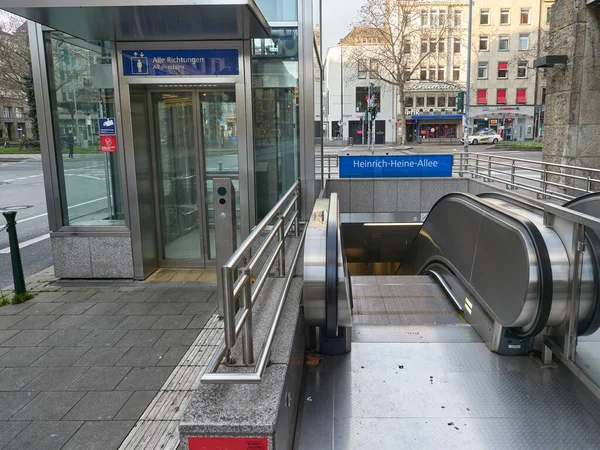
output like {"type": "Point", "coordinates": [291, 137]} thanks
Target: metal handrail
{"type": "Point", "coordinates": [247, 290]}
{"type": "Point", "coordinates": [487, 166]}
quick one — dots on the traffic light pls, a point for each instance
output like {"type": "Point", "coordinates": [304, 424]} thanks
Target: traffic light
{"type": "Point", "coordinates": [374, 112]}
{"type": "Point", "coordinates": [460, 102]}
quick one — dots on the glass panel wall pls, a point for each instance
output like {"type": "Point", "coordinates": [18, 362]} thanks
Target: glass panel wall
{"type": "Point", "coordinates": [176, 153]}
{"type": "Point", "coordinates": [220, 148]}
{"type": "Point", "coordinates": [279, 10]}
{"type": "Point", "coordinates": [81, 93]}
{"type": "Point", "coordinates": [275, 110]}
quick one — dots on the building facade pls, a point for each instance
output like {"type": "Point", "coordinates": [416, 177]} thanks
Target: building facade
{"type": "Point", "coordinates": [434, 54]}
{"type": "Point", "coordinates": [507, 94]}
{"type": "Point", "coordinates": [142, 111]}
{"type": "Point", "coordinates": [15, 124]}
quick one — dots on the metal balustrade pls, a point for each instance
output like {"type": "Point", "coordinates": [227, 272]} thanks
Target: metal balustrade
{"type": "Point", "coordinates": [547, 180]}
{"type": "Point", "coordinates": [244, 289]}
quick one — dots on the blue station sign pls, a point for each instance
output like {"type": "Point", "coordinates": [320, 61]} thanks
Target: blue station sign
{"type": "Point", "coordinates": [401, 166]}
{"type": "Point", "coordinates": [155, 63]}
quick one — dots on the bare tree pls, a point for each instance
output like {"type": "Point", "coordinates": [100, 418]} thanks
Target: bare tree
{"type": "Point", "coordinates": [14, 48]}
{"type": "Point", "coordinates": [393, 39]}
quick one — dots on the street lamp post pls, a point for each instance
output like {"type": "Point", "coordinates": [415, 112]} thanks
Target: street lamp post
{"type": "Point", "coordinates": [468, 87]}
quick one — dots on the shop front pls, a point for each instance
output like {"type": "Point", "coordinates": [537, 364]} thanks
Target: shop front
{"type": "Point", "coordinates": [513, 123]}
{"type": "Point", "coordinates": [433, 128]}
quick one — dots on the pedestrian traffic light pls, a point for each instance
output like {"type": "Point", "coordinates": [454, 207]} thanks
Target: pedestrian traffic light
{"type": "Point", "coordinates": [460, 102]}
{"type": "Point", "coordinates": [374, 112]}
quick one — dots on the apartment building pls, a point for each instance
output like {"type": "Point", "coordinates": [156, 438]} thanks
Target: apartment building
{"type": "Point", "coordinates": [435, 71]}
{"type": "Point", "coordinates": [507, 94]}
{"type": "Point", "coordinates": [14, 117]}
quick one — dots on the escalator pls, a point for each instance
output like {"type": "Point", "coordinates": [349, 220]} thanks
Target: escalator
{"type": "Point", "coordinates": [447, 335]}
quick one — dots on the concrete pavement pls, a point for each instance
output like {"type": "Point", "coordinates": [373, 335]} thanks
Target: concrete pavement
{"type": "Point", "coordinates": [82, 361]}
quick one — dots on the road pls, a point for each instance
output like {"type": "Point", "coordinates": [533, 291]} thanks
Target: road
{"type": "Point", "coordinates": [22, 189]}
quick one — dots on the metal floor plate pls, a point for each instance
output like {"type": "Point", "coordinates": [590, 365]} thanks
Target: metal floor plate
{"type": "Point", "coordinates": [443, 395]}
{"type": "Point", "coordinates": [401, 300]}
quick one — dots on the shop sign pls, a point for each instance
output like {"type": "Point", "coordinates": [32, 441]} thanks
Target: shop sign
{"type": "Point", "coordinates": [154, 63]}
{"type": "Point", "coordinates": [405, 166]}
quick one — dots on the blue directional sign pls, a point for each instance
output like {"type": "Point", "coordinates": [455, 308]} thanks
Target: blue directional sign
{"type": "Point", "coordinates": [106, 125]}
{"type": "Point", "coordinates": [155, 63]}
{"type": "Point", "coordinates": [404, 166]}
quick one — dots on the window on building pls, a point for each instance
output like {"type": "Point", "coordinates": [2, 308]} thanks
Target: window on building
{"type": "Point", "coordinates": [362, 69]}
{"type": "Point", "coordinates": [481, 96]}
{"type": "Point", "coordinates": [409, 102]}
{"type": "Point", "coordinates": [457, 18]}
{"type": "Point", "coordinates": [548, 13]}
{"type": "Point", "coordinates": [420, 102]}
{"type": "Point", "coordinates": [442, 46]}
{"type": "Point", "coordinates": [521, 95]}
{"type": "Point", "coordinates": [505, 16]}
{"type": "Point", "coordinates": [484, 17]}
{"type": "Point", "coordinates": [374, 68]}
{"type": "Point", "coordinates": [70, 61]}
{"type": "Point", "coordinates": [482, 70]}
{"type": "Point", "coordinates": [456, 73]}
{"type": "Point", "coordinates": [543, 96]}
{"type": "Point", "coordinates": [522, 69]}
{"type": "Point", "coordinates": [501, 96]}
{"type": "Point", "coordinates": [19, 112]}
{"type": "Point", "coordinates": [433, 17]}
{"type": "Point", "coordinates": [7, 111]}
{"type": "Point", "coordinates": [441, 74]}
{"type": "Point", "coordinates": [362, 97]}
{"type": "Point", "coordinates": [432, 45]}
{"type": "Point", "coordinates": [502, 70]}
{"type": "Point", "coordinates": [431, 73]}
{"type": "Point", "coordinates": [430, 101]}
{"type": "Point", "coordinates": [441, 101]}
{"type": "Point", "coordinates": [452, 102]}
{"type": "Point", "coordinates": [424, 17]}
{"type": "Point", "coordinates": [423, 45]}
{"type": "Point", "coordinates": [483, 44]}
{"type": "Point", "coordinates": [423, 74]}
{"type": "Point", "coordinates": [523, 41]}
{"type": "Point", "coordinates": [525, 16]}
{"type": "Point", "coordinates": [456, 45]}
{"type": "Point", "coordinates": [442, 21]}
{"type": "Point", "coordinates": [503, 43]}
{"type": "Point", "coordinates": [407, 75]}
{"type": "Point", "coordinates": [406, 46]}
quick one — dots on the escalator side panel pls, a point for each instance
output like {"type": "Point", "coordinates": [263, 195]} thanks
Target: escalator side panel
{"type": "Point", "coordinates": [491, 254]}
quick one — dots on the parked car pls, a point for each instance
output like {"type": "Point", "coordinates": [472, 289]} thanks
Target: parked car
{"type": "Point", "coordinates": [484, 137]}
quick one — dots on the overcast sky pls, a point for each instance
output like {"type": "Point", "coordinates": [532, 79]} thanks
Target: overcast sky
{"type": "Point", "coordinates": [337, 18]}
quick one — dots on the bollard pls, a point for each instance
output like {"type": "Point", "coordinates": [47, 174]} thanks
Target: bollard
{"type": "Point", "coordinates": [15, 254]}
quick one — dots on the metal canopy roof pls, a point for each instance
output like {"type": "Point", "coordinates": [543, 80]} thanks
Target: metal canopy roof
{"type": "Point", "coordinates": [131, 20]}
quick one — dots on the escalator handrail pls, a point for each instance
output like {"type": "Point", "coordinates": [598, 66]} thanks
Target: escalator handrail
{"type": "Point", "coordinates": [331, 268]}
{"type": "Point", "coordinates": [546, 287]}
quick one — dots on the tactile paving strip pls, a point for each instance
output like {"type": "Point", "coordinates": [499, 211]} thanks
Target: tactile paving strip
{"type": "Point", "coordinates": [157, 428]}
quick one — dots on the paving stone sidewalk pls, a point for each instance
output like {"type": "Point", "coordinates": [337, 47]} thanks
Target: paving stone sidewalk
{"type": "Point", "coordinates": [81, 361]}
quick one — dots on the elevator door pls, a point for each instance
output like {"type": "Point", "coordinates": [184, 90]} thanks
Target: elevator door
{"type": "Point", "coordinates": [195, 140]}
